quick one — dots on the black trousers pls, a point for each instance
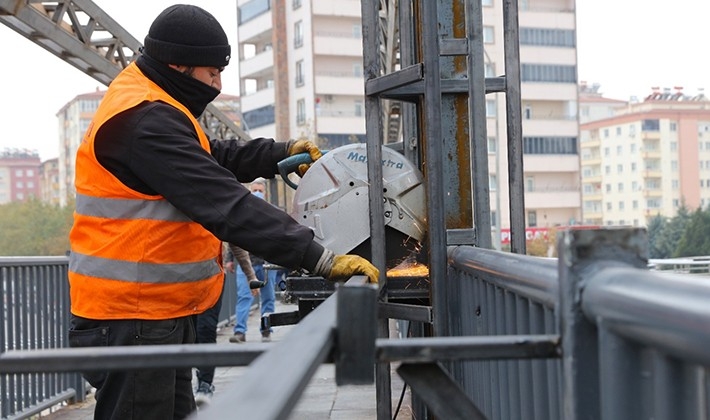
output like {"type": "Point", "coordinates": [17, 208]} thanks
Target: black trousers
{"type": "Point", "coordinates": [207, 333]}
{"type": "Point", "coordinates": [151, 394]}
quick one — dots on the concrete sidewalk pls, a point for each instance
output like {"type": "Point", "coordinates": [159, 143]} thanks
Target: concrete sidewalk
{"type": "Point", "coordinates": [322, 399]}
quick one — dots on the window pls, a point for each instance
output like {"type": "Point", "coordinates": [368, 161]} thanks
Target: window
{"type": "Point", "coordinates": [298, 34]}
{"type": "Point", "coordinates": [488, 33]}
{"type": "Point", "coordinates": [634, 186]}
{"type": "Point", "coordinates": [357, 31]}
{"type": "Point", "coordinates": [528, 112]}
{"type": "Point", "coordinates": [490, 70]}
{"type": "Point", "coordinates": [621, 206]}
{"type": "Point", "coordinates": [296, 4]}
{"type": "Point", "coordinates": [30, 172]}
{"type": "Point", "coordinates": [532, 218]}
{"type": "Point", "coordinates": [486, 2]}
{"type": "Point", "coordinates": [549, 73]}
{"type": "Point", "coordinates": [620, 187]}
{"type": "Point", "coordinates": [301, 111]}
{"type": "Point", "coordinates": [492, 145]}
{"type": "Point", "coordinates": [608, 187]}
{"type": "Point", "coordinates": [619, 150]}
{"type": "Point", "coordinates": [674, 146]}
{"type": "Point", "coordinates": [547, 37]}
{"type": "Point", "coordinates": [299, 73]}
{"type": "Point", "coordinates": [608, 206]}
{"type": "Point", "coordinates": [650, 125]}
{"type": "Point", "coordinates": [618, 131]}
{"type": "Point", "coordinates": [252, 9]}
{"type": "Point", "coordinates": [635, 204]}
{"type": "Point", "coordinates": [490, 108]}
{"type": "Point", "coordinates": [30, 184]}
{"type": "Point", "coordinates": [357, 70]}
{"type": "Point", "coordinates": [673, 126]}
{"type": "Point", "coordinates": [494, 220]}
{"type": "Point", "coordinates": [633, 166]}
{"type": "Point", "coordinates": [358, 108]}
{"type": "Point", "coordinates": [18, 173]}
{"type": "Point", "coordinates": [550, 145]}
{"type": "Point", "coordinates": [492, 182]}
{"type": "Point", "coordinates": [607, 169]}
{"type": "Point", "coordinates": [529, 184]}
{"type": "Point", "coordinates": [619, 168]}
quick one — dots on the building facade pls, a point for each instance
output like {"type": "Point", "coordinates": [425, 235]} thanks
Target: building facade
{"type": "Point", "coordinates": [49, 181]}
{"type": "Point", "coordinates": [649, 159]}
{"type": "Point", "coordinates": [301, 75]}
{"type": "Point", "coordinates": [19, 175]}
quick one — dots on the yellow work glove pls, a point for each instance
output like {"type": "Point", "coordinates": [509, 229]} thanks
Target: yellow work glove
{"type": "Point", "coordinates": [304, 146]}
{"type": "Point", "coordinates": [351, 265]}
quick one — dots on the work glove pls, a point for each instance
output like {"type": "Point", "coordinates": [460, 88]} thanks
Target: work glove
{"type": "Point", "coordinates": [304, 146]}
{"type": "Point", "coordinates": [348, 265]}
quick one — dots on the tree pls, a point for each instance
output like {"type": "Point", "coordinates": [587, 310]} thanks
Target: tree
{"type": "Point", "coordinates": [655, 227]}
{"type": "Point", "coordinates": [696, 236]}
{"type": "Point", "coordinates": [672, 232]}
{"type": "Point", "coordinates": [33, 228]}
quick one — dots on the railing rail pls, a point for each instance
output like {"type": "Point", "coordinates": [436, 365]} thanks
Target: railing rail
{"type": "Point", "coordinates": [593, 334]}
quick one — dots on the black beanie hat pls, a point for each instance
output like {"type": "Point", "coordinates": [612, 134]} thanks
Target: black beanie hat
{"type": "Point", "coordinates": [187, 35]}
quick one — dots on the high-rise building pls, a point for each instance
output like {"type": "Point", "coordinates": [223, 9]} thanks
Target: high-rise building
{"type": "Point", "coordinates": [49, 181]}
{"type": "Point", "coordinates": [19, 175]}
{"type": "Point", "coordinates": [650, 158]}
{"type": "Point", "coordinates": [301, 74]}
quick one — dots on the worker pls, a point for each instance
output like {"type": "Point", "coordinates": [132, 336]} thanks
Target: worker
{"type": "Point", "coordinates": [206, 332]}
{"type": "Point", "coordinates": [154, 199]}
{"type": "Point", "coordinates": [249, 284]}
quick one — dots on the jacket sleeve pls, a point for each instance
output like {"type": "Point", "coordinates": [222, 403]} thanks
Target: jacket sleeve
{"type": "Point", "coordinates": [155, 148]}
{"type": "Point", "coordinates": [242, 257]}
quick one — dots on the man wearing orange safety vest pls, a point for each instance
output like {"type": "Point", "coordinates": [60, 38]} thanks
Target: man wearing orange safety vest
{"type": "Point", "coordinates": [155, 199]}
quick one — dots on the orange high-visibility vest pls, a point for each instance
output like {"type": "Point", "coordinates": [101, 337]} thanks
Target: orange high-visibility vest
{"type": "Point", "coordinates": [135, 256]}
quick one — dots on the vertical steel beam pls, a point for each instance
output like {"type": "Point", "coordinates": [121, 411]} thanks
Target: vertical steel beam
{"type": "Point", "coordinates": [434, 163]}
{"type": "Point", "coordinates": [478, 124]}
{"type": "Point", "coordinates": [371, 41]}
{"type": "Point", "coordinates": [513, 114]}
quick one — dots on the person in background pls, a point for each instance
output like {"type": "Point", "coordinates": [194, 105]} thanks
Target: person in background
{"type": "Point", "coordinates": [206, 332]}
{"type": "Point", "coordinates": [155, 199]}
{"type": "Point", "coordinates": [248, 284]}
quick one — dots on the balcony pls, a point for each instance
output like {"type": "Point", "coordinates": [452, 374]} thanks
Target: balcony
{"type": "Point", "coordinates": [537, 91]}
{"type": "Point", "coordinates": [558, 196]}
{"type": "Point", "coordinates": [560, 126]}
{"type": "Point", "coordinates": [339, 84]}
{"type": "Point", "coordinates": [257, 66]}
{"type": "Point", "coordinates": [551, 163]}
{"type": "Point", "coordinates": [337, 43]}
{"type": "Point", "coordinates": [340, 122]}
{"type": "Point", "coordinates": [254, 27]}
{"type": "Point", "coordinates": [349, 8]}
{"type": "Point", "coordinates": [257, 99]}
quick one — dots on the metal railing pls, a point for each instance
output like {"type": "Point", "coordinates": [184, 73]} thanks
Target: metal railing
{"type": "Point", "coordinates": [35, 308]}
{"type": "Point", "coordinates": [593, 334]}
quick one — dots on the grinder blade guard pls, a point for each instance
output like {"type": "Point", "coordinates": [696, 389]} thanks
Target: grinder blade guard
{"type": "Point", "coordinates": [332, 198]}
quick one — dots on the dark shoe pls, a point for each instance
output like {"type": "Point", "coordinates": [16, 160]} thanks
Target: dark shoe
{"type": "Point", "coordinates": [265, 337]}
{"type": "Point", "coordinates": [204, 393]}
{"type": "Point", "coordinates": [238, 338]}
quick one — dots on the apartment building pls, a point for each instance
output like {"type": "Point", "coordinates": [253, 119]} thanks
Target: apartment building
{"type": "Point", "coordinates": [19, 175]}
{"type": "Point", "coordinates": [74, 118]}
{"type": "Point", "coordinates": [49, 181]}
{"type": "Point", "coordinates": [648, 159]}
{"type": "Point", "coordinates": [300, 66]}
{"type": "Point", "coordinates": [549, 95]}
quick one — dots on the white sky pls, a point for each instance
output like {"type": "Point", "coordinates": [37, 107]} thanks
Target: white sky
{"type": "Point", "coordinates": [627, 46]}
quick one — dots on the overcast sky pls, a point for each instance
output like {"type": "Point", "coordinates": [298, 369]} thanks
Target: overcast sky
{"type": "Point", "coordinates": [626, 46]}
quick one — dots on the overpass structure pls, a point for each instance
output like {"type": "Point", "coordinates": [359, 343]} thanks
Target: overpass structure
{"type": "Point", "coordinates": [591, 335]}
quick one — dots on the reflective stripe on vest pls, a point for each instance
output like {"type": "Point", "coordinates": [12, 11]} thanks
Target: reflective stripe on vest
{"type": "Point", "coordinates": [142, 272]}
{"type": "Point", "coordinates": [119, 208]}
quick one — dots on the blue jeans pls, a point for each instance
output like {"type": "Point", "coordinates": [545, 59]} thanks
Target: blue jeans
{"type": "Point", "coordinates": [245, 299]}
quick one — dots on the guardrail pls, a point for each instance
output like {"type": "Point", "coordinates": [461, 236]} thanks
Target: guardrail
{"type": "Point", "coordinates": [35, 308]}
{"type": "Point", "coordinates": [591, 335]}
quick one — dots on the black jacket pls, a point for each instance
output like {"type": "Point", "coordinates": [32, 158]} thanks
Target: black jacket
{"type": "Point", "coordinates": [153, 149]}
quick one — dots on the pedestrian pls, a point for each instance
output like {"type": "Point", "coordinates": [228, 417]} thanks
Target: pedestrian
{"type": "Point", "coordinates": [249, 285]}
{"type": "Point", "coordinates": [155, 198]}
{"type": "Point", "coordinates": [206, 332]}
